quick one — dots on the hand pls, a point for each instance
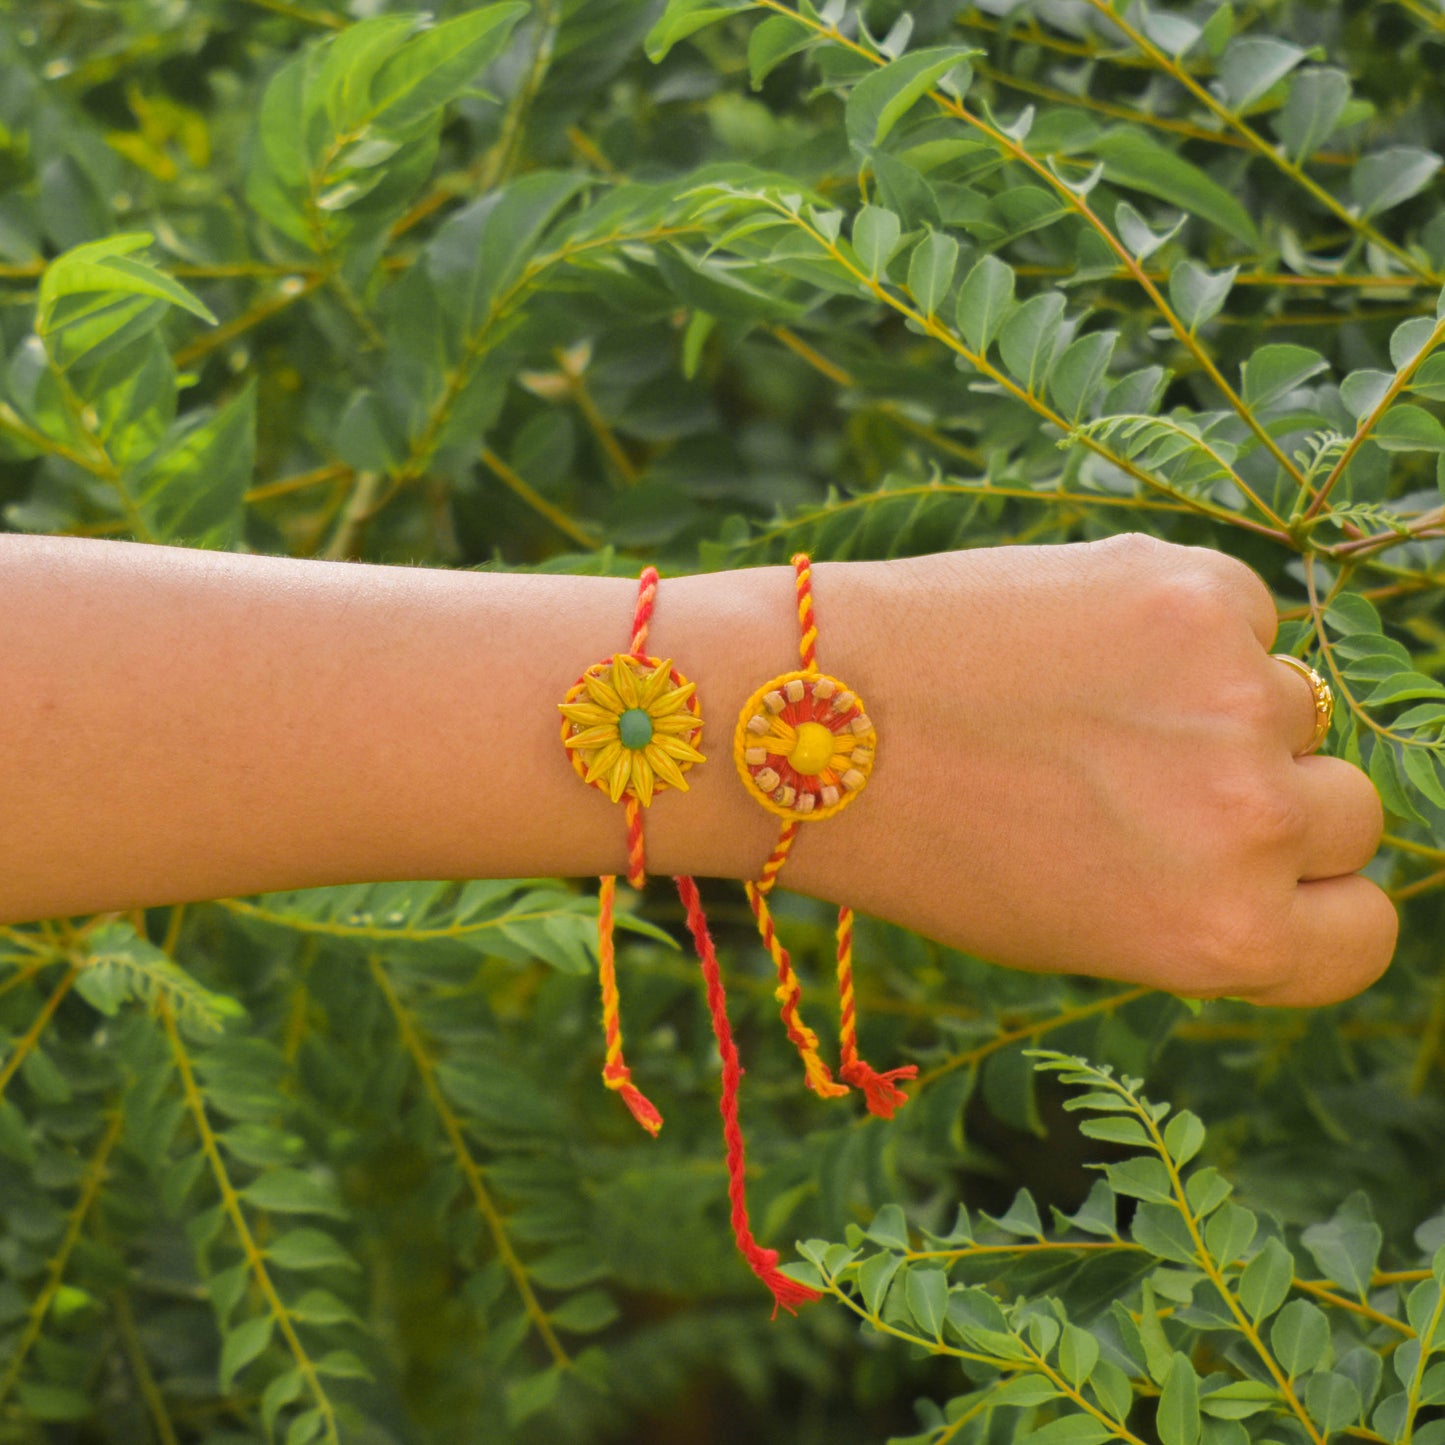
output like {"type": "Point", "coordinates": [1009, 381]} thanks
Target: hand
{"type": "Point", "coordinates": [1087, 764]}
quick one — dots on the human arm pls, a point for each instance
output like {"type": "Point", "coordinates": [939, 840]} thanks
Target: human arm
{"type": "Point", "coordinates": [1085, 753]}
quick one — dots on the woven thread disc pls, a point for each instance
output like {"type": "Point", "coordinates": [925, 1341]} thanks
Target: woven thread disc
{"type": "Point", "coordinates": [777, 735]}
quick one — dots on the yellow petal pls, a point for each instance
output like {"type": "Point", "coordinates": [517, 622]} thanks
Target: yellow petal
{"type": "Point", "coordinates": [676, 724]}
{"type": "Point", "coordinates": [593, 737]}
{"type": "Point", "coordinates": [624, 680]}
{"type": "Point", "coordinates": [671, 701]}
{"type": "Point", "coordinates": [676, 748]}
{"type": "Point", "coordinates": [778, 740]}
{"type": "Point", "coordinates": [603, 694]}
{"type": "Point", "coordinates": [602, 762]}
{"type": "Point", "coordinates": [617, 778]}
{"type": "Point", "coordinates": [586, 713]}
{"type": "Point", "coordinates": [665, 768]}
{"type": "Point", "coordinates": [652, 685]}
{"type": "Point", "coordinates": [642, 779]}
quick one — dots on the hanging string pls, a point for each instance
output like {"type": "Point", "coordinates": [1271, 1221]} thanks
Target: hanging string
{"type": "Point", "coordinates": [787, 1293]}
{"type": "Point", "coordinates": [879, 1090]}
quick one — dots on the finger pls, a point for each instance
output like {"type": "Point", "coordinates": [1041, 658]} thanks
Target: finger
{"type": "Point", "coordinates": [1345, 819]}
{"type": "Point", "coordinates": [1297, 696]}
{"type": "Point", "coordinates": [1248, 590]}
{"type": "Point", "coordinates": [1342, 937]}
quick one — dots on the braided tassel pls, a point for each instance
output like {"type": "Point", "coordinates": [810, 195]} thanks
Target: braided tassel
{"type": "Point", "coordinates": [883, 1095]}
{"type": "Point", "coordinates": [787, 1293]}
{"type": "Point", "coordinates": [615, 1073]}
{"type": "Point", "coordinates": [789, 993]}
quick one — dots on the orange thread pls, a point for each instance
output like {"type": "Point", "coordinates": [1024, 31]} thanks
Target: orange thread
{"type": "Point", "coordinates": [646, 599]}
{"type": "Point", "coordinates": [615, 1073]}
{"type": "Point", "coordinates": [789, 993]}
{"type": "Point", "coordinates": [787, 1293]}
{"type": "Point", "coordinates": [882, 1093]}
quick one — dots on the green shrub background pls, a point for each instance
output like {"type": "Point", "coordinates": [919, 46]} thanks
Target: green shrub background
{"type": "Point", "coordinates": [581, 284]}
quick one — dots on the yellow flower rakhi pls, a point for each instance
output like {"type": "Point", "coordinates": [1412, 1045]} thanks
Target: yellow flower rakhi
{"type": "Point", "coordinates": [631, 725]}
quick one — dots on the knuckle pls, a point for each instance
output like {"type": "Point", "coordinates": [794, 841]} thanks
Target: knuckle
{"type": "Point", "coordinates": [1242, 946]}
{"type": "Point", "coordinates": [1255, 813]}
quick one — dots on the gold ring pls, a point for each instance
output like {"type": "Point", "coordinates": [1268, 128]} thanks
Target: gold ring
{"type": "Point", "coordinates": [1324, 700]}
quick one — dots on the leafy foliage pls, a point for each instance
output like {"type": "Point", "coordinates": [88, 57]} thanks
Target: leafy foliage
{"type": "Point", "coordinates": [570, 284]}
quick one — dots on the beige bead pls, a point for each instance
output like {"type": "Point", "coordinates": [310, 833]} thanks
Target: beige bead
{"type": "Point", "coordinates": [843, 702]}
{"type": "Point", "coordinates": [755, 757]}
{"type": "Point", "coordinates": [758, 724]}
{"type": "Point", "coordinates": [775, 701]}
{"type": "Point", "coordinates": [862, 723]}
{"type": "Point", "coordinates": [767, 780]}
{"type": "Point", "coordinates": [825, 687]}
{"type": "Point", "coordinates": [805, 803]}
{"type": "Point", "coordinates": [830, 795]}
{"type": "Point", "coordinates": [862, 757]}
{"type": "Point", "coordinates": [794, 689]}
{"type": "Point", "coordinates": [785, 795]}
{"type": "Point", "coordinates": [853, 780]}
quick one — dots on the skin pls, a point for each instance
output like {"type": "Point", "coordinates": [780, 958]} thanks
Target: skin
{"type": "Point", "coordinates": [1087, 759]}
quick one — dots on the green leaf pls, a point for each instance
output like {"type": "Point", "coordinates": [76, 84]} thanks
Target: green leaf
{"type": "Point", "coordinates": [874, 1276]}
{"type": "Point", "coordinates": [1300, 1337]}
{"type": "Point", "coordinates": [192, 488]}
{"type": "Point", "coordinates": [109, 267]}
{"type": "Point", "coordinates": [585, 1313]}
{"type": "Point", "coordinates": [773, 42]}
{"type": "Point", "coordinates": [1184, 1137]}
{"type": "Point", "coordinates": [1384, 771]}
{"type": "Point", "coordinates": [1266, 1280]}
{"type": "Point", "coordinates": [42, 1402]}
{"type": "Point", "coordinates": [1317, 99]}
{"type": "Point", "coordinates": [984, 301]}
{"type": "Point", "coordinates": [1408, 428]}
{"type": "Point", "coordinates": [1141, 1178]}
{"type": "Point", "coordinates": [1424, 769]}
{"type": "Point", "coordinates": [882, 98]}
{"type": "Point", "coordinates": [435, 67]}
{"type": "Point", "coordinates": [1206, 1190]}
{"type": "Point", "coordinates": [1229, 1233]}
{"type": "Point", "coordinates": [533, 1394]}
{"type": "Point", "coordinates": [1388, 177]}
{"type": "Point", "coordinates": [1272, 372]}
{"type": "Point", "coordinates": [926, 1294]}
{"type": "Point", "coordinates": [1158, 1355]}
{"type": "Point", "coordinates": [1124, 1129]}
{"type": "Point", "coordinates": [1133, 160]}
{"type": "Point", "coordinates": [683, 18]}
{"type": "Point", "coordinates": [1198, 295]}
{"type": "Point", "coordinates": [1333, 1401]}
{"type": "Point", "coordinates": [1078, 1354]}
{"type": "Point", "coordinates": [308, 1249]}
{"type": "Point", "coordinates": [1347, 1247]}
{"type": "Point", "coordinates": [1177, 1419]}
{"type": "Point", "coordinates": [930, 270]}
{"type": "Point", "coordinates": [1026, 338]}
{"type": "Point", "coordinates": [1161, 1229]}
{"type": "Point", "coordinates": [1079, 374]}
{"type": "Point", "coordinates": [282, 1391]}
{"type": "Point", "coordinates": [242, 1346]}
{"type": "Point", "coordinates": [889, 1228]}
{"type": "Point", "coordinates": [876, 232]}
{"type": "Point", "coordinates": [1070, 1430]}
{"type": "Point", "coordinates": [1250, 66]}
{"type": "Point", "coordinates": [289, 1191]}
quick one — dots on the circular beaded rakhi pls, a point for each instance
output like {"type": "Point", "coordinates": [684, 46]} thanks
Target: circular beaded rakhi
{"type": "Point", "coordinates": [804, 745]}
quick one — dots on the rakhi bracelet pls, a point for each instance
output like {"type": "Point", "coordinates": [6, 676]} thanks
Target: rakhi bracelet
{"type": "Point", "coordinates": [631, 726]}
{"type": "Point", "coordinates": [804, 747]}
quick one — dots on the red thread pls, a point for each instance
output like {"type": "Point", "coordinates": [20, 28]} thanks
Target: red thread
{"type": "Point", "coordinates": [808, 629]}
{"type": "Point", "coordinates": [646, 597]}
{"type": "Point", "coordinates": [787, 1293]}
{"type": "Point", "coordinates": [636, 856]}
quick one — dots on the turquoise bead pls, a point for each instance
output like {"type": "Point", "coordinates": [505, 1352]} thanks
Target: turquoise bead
{"type": "Point", "coordinates": [634, 727]}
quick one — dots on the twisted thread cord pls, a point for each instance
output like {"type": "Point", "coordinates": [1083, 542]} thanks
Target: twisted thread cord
{"type": "Point", "coordinates": [789, 994]}
{"type": "Point", "coordinates": [787, 1293]}
{"type": "Point", "coordinates": [615, 1073]}
{"type": "Point", "coordinates": [880, 1090]}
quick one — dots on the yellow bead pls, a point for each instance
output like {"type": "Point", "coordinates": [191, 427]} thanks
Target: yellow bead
{"type": "Point", "coordinates": [813, 750]}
